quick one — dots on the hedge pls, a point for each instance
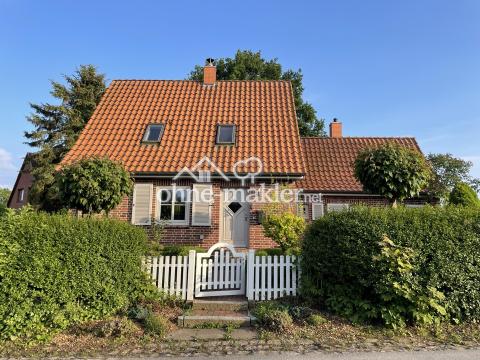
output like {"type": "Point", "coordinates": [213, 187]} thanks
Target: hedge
{"type": "Point", "coordinates": [395, 266]}
{"type": "Point", "coordinates": [56, 270]}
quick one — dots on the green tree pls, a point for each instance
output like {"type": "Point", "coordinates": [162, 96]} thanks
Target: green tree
{"type": "Point", "coordinates": [56, 128]}
{"type": "Point", "coordinates": [393, 171]}
{"type": "Point", "coordinates": [4, 196]}
{"type": "Point", "coordinates": [462, 194]}
{"type": "Point", "coordinates": [249, 65]}
{"type": "Point", "coordinates": [93, 185]}
{"type": "Point", "coordinates": [448, 171]}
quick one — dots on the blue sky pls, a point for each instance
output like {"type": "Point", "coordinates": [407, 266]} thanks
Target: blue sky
{"type": "Point", "coordinates": [385, 68]}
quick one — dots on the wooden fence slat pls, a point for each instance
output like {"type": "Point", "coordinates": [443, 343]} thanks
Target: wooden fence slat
{"type": "Point", "coordinates": [178, 282]}
{"type": "Point", "coordinates": [172, 274]}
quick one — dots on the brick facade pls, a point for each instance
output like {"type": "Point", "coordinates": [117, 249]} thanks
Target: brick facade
{"type": "Point", "coordinates": [204, 236]}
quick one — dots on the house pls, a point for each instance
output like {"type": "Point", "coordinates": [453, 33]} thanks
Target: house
{"type": "Point", "coordinates": [23, 183]}
{"type": "Point", "coordinates": [227, 139]}
{"type": "Point", "coordinates": [330, 171]}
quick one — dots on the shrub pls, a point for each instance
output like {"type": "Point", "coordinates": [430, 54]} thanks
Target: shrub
{"type": "Point", "coordinates": [115, 327]}
{"type": "Point", "coordinates": [179, 250]}
{"type": "Point", "coordinates": [156, 324]}
{"type": "Point", "coordinates": [57, 270]}
{"type": "Point", "coordinates": [300, 314]}
{"type": "Point", "coordinates": [462, 194]}
{"type": "Point", "coordinates": [393, 171]}
{"type": "Point", "coordinates": [286, 229]}
{"type": "Point", "coordinates": [273, 316]}
{"type": "Point", "coordinates": [93, 185]}
{"type": "Point", "coordinates": [430, 267]}
{"type": "Point", "coordinates": [316, 320]}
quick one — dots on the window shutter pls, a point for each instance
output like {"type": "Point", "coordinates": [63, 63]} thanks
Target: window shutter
{"type": "Point", "coordinates": [142, 204]}
{"type": "Point", "coordinates": [317, 210]}
{"type": "Point", "coordinates": [201, 204]}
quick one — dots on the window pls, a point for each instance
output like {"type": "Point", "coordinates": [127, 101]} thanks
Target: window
{"type": "Point", "coordinates": [337, 207]}
{"type": "Point", "coordinates": [225, 134]}
{"type": "Point", "coordinates": [173, 205]}
{"type": "Point", "coordinates": [20, 195]}
{"type": "Point", "coordinates": [153, 133]}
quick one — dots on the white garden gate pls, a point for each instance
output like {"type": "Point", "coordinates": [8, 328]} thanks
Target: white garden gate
{"type": "Point", "coordinates": [220, 272]}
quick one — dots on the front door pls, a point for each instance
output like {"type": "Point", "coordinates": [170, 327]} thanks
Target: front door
{"type": "Point", "coordinates": [235, 214]}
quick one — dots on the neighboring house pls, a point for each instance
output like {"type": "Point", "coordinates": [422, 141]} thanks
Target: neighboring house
{"type": "Point", "coordinates": [19, 194]}
{"type": "Point", "coordinates": [178, 135]}
{"type": "Point", "coordinates": [330, 171]}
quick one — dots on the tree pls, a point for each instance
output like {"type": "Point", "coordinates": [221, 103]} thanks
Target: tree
{"type": "Point", "coordinates": [393, 171]}
{"type": "Point", "coordinates": [448, 171]}
{"type": "Point", "coordinates": [56, 128]}
{"type": "Point", "coordinates": [462, 194]}
{"type": "Point", "coordinates": [93, 185]}
{"type": "Point", "coordinates": [249, 65]}
{"type": "Point", "coordinates": [4, 196]}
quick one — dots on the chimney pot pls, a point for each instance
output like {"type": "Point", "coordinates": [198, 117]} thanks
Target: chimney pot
{"type": "Point", "coordinates": [209, 72]}
{"type": "Point", "coordinates": [335, 128]}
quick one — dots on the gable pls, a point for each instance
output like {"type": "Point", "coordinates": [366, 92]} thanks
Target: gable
{"type": "Point", "coordinates": [263, 113]}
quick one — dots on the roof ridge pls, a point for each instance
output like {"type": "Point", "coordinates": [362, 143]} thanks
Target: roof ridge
{"type": "Point", "coordinates": [186, 80]}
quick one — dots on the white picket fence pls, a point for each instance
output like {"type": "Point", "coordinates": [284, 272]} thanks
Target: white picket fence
{"type": "Point", "coordinates": [262, 277]}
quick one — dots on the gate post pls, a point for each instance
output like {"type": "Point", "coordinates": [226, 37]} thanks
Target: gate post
{"type": "Point", "coordinates": [250, 273]}
{"type": "Point", "coordinates": [191, 274]}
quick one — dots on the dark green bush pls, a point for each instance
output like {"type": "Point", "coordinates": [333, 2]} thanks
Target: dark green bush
{"type": "Point", "coordinates": [276, 252]}
{"type": "Point", "coordinates": [179, 250]}
{"type": "Point", "coordinates": [431, 264]}
{"type": "Point", "coordinates": [57, 270]}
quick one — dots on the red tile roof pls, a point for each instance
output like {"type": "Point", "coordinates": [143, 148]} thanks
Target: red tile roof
{"type": "Point", "coordinates": [329, 161]}
{"type": "Point", "coordinates": [263, 112]}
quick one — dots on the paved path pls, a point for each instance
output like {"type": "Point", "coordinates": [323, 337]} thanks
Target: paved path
{"type": "Point", "coordinates": [406, 355]}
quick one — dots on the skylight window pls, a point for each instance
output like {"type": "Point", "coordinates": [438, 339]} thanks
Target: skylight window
{"type": "Point", "coordinates": [153, 133]}
{"type": "Point", "coordinates": [225, 134]}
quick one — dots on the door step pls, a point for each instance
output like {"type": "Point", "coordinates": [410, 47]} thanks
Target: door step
{"type": "Point", "coordinates": [218, 313]}
{"type": "Point", "coordinates": [226, 305]}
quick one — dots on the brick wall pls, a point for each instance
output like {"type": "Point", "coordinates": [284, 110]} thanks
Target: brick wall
{"type": "Point", "coordinates": [204, 236]}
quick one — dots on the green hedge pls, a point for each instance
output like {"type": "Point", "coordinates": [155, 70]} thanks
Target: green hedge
{"type": "Point", "coordinates": [56, 270]}
{"type": "Point", "coordinates": [428, 261]}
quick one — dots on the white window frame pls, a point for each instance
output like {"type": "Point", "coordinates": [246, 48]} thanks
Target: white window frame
{"type": "Point", "coordinates": [345, 206]}
{"type": "Point", "coordinates": [21, 195]}
{"type": "Point", "coordinates": [172, 222]}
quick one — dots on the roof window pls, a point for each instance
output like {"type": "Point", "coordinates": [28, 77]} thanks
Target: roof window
{"type": "Point", "coordinates": [153, 133]}
{"type": "Point", "coordinates": [225, 134]}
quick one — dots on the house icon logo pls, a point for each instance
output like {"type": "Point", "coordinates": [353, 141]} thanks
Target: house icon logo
{"type": "Point", "coordinates": [201, 175]}
{"type": "Point", "coordinates": [198, 172]}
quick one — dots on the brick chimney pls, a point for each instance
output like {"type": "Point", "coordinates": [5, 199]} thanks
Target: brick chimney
{"type": "Point", "coordinates": [335, 129]}
{"type": "Point", "coordinates": [209, 72]}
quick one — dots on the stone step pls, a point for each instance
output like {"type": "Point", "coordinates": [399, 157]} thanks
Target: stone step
{"type": "Point", "coordinates": [226, 305]}
{"type": "Point", "coordinates": [191, 321]}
